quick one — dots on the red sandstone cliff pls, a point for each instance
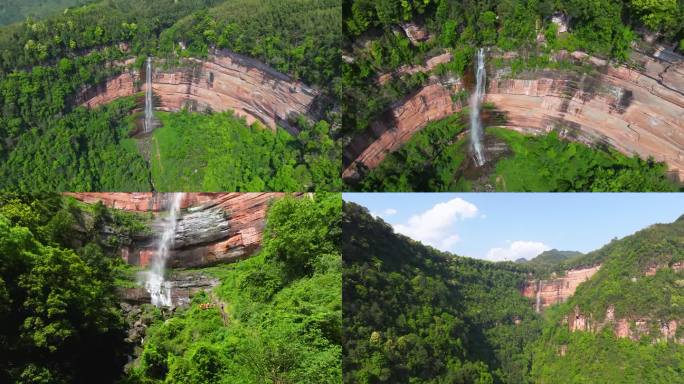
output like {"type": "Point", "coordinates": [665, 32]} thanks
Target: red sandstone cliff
{"type": "Point", "coordinates": [226, 81]}
{"type": "Point", "coordinates": [213, 228]}
{"type": "Point", "coordinates": [557, 289]}
{"type": "Point", "coordinates": [637, 112]}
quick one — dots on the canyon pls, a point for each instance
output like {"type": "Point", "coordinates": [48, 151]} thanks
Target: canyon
{"type": "Point", "coordinates": [544, 293]}
{"type": "Point", "coordinates": [224, 81]}
{"type": "Point", "coordinates": [636, 110]}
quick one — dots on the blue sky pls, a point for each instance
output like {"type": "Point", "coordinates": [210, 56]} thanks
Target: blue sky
{"type": "Point", "coordinates": [506, 226]}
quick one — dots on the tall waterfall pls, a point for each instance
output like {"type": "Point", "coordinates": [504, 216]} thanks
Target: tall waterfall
{"type": "Point", "coordinates": [148, 96]}
{"type": "Point", "coordinates": [475, 106]}
{"type": "Point", "coordinates": [539, 289]}
{"type": "Point", "coordinates": [160, 290]}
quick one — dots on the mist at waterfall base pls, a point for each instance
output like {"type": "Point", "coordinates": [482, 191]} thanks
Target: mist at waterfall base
{"type": "Point", "coordinates": [475, 106]}
{"type": "Point", "coordinates": [159, 289]}
{"type": "Point", "coordinates": [148, 96]}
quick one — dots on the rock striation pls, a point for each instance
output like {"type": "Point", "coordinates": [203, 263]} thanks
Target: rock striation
{"type": "Point", "coordinates": [634, 110]}
{"type": "Point", "coordinates": [548, 292]}
{"type": "Point", "coordinates": [225, 81]}
{"type": "Point", "coordinates": [213, 227]}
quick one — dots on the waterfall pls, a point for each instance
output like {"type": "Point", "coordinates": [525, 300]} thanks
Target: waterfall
{"type": "Point", "coordinates": [160, 290]}
{"type": "Point", "coordinates": [475, 105]}
{"type": "Point", "coordinates": [148, 96]}
{"type": "Point", "coordinates": [539, 289]}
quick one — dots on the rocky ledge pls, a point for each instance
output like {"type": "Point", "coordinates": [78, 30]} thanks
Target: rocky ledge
{"type": "Point", "coordinates": [213, 227]}
{"type": "Point", "coordinates": [637, 111]}
{"type": "Point", "coordinates": [557, 289]}
{"type": "Point", "coordinates": [225, 81]}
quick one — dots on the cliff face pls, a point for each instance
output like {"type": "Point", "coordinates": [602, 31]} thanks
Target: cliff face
{"type": "Point", "coordinates": [557, 290]}
{"type": "Point", "coordinates": [632, 328]}
{"type": "Point", "coordinates": [224, 81]}
{"type": "Point", "coordinates": [635, 111]}
{"type": "Point", "coordinates": [388, 134]}
{"type": "Point", "coordinates": [213, 227]}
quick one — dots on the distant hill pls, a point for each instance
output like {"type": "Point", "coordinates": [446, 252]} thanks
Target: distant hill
{"type": "Point", "coordinates": [553, 256]}
{"type": "Point", "coordinates": [625, 323]}
{"type": "Point", "coordinates": [17, 10]}
{"type": "Point", "coordinates": [413, 314]}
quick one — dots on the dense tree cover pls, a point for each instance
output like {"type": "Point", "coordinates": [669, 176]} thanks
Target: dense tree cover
{"type": "Point", "coordinates": [376, 45]}
{"type": "Point", "coordinates": [45, 64]}
{"type": "Point", "coordinates": [17, 10]}
{"type": "Point", "coordinates": [600, 27]}
{"type": "Point", "coordinates": [87, 150]}
{"type": "Point", "coordinates": [604, 358]}
{"type": "Point", "coordinates": [551, 261]}
{"type": "Point", "coordinates": [275, 318]}
{"type": "Point", "coordinates": [413, 314]}
{"type": "Point", "coordinates": [432, 160]}
{"type": "Point", "coordinates": [59, 315]}
{"type": "Point", "coordinates": [301, 37]}
{"type": "Point", "coordinates": [623, 285]}
{"type": "Point", "coordinates": [622, 282]}
{"type": "Point", "coordinates": [427, 162]}
{"type": "Point", "coordinates": [219, 152]}
{"type": "Point", "coordinates": [548, 163]}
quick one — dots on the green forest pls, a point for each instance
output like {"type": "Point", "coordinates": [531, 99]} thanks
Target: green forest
{"type": "Point", "coordinates": [433, 161]}
{"type": "Point", "coordinates": [413, 314]}
{"type": "Point", "coordinates": [62, 321]}
{"type": "Point", "coordinates": [374, 45]}
{"type": "Point", "coordinates": [46, 63]}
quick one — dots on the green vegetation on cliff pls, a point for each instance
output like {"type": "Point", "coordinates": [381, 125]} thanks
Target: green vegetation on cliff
{"type": "Point", "coordinates": [641, 282]}
{"type": "Point", "coordinates": [46, 64]}
{"type": "Point", "coordinates": [59, 316]}
{"type": "Point", "coordinates": [413, 314]}
{"type": "Point", "coordinates": [219, 152]}
{"type": "Point", "coordinates": [275, 318]}
{"type": "Point", "coordinates": [433, 160]}
{"type": "Point", "coordinates": [600, 27]}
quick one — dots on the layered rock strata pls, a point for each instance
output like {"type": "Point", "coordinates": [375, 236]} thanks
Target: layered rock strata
{"type": "Point", "coordinates": [548, 292]}
{"type": "Point", "coordinates": [632, 328]}
{"type": "Point", "coordinates": [213, 227]}
{"type": "Point", "coordinates": [225, 81]}
{"type": "Point", "coordinates": [635, 111]}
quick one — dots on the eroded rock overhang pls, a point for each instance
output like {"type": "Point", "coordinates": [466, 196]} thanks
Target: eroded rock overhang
{"type": "Point", "coordinates": [635, 111]}
{"type": "Point", "coordinates": [213, 227]}
{"type": "Point", "coordinates": [224, 81]}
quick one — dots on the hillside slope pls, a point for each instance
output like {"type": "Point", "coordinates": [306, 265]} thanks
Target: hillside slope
{"type": "Point", "coordinates": [624, 324]}
{"type": "Point", "coordinates": [415, 314]}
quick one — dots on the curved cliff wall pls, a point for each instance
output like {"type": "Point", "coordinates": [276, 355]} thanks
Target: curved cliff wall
{"type": "Point", "coordinates": [225, 81]}
{"type": "Point", "coordinates": [637, 112]}
{"type": "Point", "coordinates": [213, 227]}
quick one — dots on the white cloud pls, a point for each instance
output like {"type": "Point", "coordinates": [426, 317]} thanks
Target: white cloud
{"type": "Point", "coordinates": [516, 250]}
{"type": "Point", "coordinates": [390, 211]}
{"type": "Point", "coordinates": [436, 225]}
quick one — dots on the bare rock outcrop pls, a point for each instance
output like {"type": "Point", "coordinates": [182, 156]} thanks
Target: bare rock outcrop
{"type": "Point", "coordinates": [635, 111]}
{"type": "Point", "coordinates": [213, 227]}
{"type": "Point", "coordinates": [225, 81]}
{"type": "Point", "coordinates": [387, 135]}
{"type": "Point", "coordinates": [557, 289]}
